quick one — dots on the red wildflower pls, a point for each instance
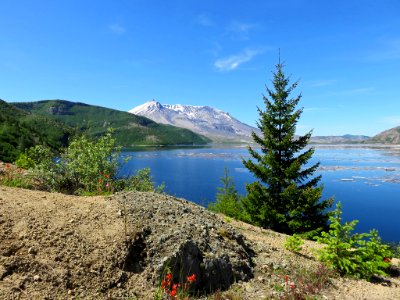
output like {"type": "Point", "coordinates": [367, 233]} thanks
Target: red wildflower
{"type": "Point", "coordinates": [191, 278]}
{"type": "Point", "coordinates": [168, 277]}
{"type": "Point", "coordinates": [164, 283]}
{"type": "Point", "coordinates": [172, 293]}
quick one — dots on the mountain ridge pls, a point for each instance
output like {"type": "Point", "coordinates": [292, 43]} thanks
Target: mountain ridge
{"type": "Point", "coordinates": [339, 139]}
{"type": "Point", "coordinates": [130, 130]}
{"type": "Point", "coordinates": [214, 123]}
{"type": "Point", "coordinates": [389, 136]}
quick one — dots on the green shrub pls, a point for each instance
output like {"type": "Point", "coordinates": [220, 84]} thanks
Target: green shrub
{"type": "Point", "coordinates": [359, 255]}
{"type": "Point", "coordinates": [46, 170]}
{"type": "Point", "coordinates": [86, 167]}
{"type": "Point", "coordinates": [24, 161]}
{"type": "Point", "coordinates": [294, 243]}
{"type": "Point", "coordinates": [91, 165]}
{"type": "Point", "coordinates": [142, 181]}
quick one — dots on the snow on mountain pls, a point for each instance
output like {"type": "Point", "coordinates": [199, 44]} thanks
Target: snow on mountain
{"type": "Point", "coordinates": [211, 122]}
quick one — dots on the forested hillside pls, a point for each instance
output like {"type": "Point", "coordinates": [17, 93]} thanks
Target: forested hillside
{"type": "Point", "coordinates": [20, 130]}
{"type": "Point", "coordinates": [130, 130]}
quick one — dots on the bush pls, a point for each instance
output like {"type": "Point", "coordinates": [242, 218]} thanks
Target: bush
{"type": "Point", "coordinates": [86, 167]}
{"type": "Point", "coordinates": [293, 243]}
{"type": "Point", "coordinates": [90, 165]}
{"type": "Point", "coordinates": [142, 181]}
{"type": "Point", "coordinates": [24, 161]}
{"type": "Point", "coordinates": [45, 170]}
{"type": "Point", "coordinates": [359, 255]}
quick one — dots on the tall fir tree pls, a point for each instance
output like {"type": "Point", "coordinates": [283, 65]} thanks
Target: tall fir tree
{"type": "Point", "coordinates": [286, 197]}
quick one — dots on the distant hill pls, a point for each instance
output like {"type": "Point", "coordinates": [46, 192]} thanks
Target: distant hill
{"type": "Point", "coordinates": [211, 122]}
{"type": "Point", "coordinates": [342, 139]}
{"type": "Point", "coordinates": [20, 130]}
{"type": "Point", "coordinates": [390, 136]}
{"type": "Point", "coordinates": [130, 130]}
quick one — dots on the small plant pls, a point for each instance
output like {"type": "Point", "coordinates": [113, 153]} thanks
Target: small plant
{"type": "Point", "coordinates": [304, 284]}
{"type": "Point", "coordinates": [293, 243]}
{"type": "Point", "coordinates": [169, 290]}
{"type": "Point", "coordinates": [359, 255]}
{"type": "Point", "coordinates": [227, 219]}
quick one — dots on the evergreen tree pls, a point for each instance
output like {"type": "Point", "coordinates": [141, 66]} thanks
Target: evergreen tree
{"type": "Point", "coordinates": [228, 201]}
{"type": "Point", "coordinates": [286, 197]}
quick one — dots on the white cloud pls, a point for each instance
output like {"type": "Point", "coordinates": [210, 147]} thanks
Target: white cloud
{"type": "Point", "coordinates": [232, 62]}
{"type": "Point", "coordinates": [117, 29]}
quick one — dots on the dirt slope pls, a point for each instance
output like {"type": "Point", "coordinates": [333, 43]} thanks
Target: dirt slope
{"type": "Point", "coordinates": [54, 246]}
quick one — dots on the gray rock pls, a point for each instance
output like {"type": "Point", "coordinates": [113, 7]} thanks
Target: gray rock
{"type": "Point", "coordinates": [184, 243]}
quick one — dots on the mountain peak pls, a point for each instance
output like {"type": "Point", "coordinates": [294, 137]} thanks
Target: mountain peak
{"type": "Point", "coordinates": [149, 106]}
{"type": "Point", "coordinates": [206, 120]}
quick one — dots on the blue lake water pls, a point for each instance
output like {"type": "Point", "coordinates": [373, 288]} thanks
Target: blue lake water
{"type": "Point", "coordinates": [366, 180]}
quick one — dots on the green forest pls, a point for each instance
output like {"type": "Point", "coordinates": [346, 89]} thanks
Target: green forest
{"type": "Point", "coordinates": [53, 122]}
{"type": "Point", "coordinates": [20, 130]}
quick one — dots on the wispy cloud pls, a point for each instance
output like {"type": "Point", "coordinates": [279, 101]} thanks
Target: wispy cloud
{"type": "Point", "coordinates": [117, 29]}
{"type": "Point", "coordinates": [232, 62]}
{"type": "Point", "coordinates": [240, 27]}
{"type": "Point", "coordinates": [358, 91]}
{"type": "Point", "coordinates": [240, 30]}
{"type": "Point", "coordinates": [205, 20]}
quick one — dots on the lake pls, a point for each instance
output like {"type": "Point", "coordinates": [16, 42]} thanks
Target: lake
{"type": "Point", "coordinates": [365, 179]}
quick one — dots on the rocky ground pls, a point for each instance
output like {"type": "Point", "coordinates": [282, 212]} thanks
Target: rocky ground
{"type": "Point", "coordinates": [54, 246]}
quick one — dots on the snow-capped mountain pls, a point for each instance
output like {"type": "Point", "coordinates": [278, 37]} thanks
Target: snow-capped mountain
{"type": "Point", "coordinates": [211, 122]}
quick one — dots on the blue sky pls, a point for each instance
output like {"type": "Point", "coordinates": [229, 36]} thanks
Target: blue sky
{"type": "Point", "coordinates": [120, 54]}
